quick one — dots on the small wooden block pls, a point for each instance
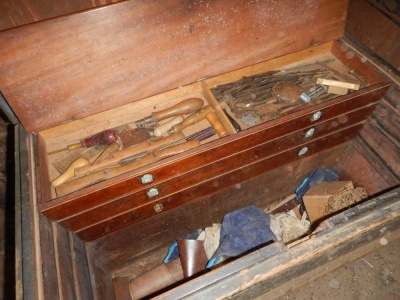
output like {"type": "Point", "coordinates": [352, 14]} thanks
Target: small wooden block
{"type": "Point", "coordinates": [337, 90]}
{"type": "Point", "coordinates": [342, 84]}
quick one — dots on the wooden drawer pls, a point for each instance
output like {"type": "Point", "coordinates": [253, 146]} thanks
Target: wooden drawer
{"type": "Point", "coordinates": [113, 196]}
{"type": "Point", "coordinates": [241, 157]}
{"type": "Point", "coordinates": [140, 207]}
{"type": "Point", "coordinates": [233, 144]}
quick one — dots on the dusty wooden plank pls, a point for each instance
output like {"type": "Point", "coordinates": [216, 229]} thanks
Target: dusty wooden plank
{"type": "Point", "coordinates": [100, 59]}
{"type": "Point", "coordinates": [48, 260]}
{"type": "Point", "coordinates": [101, 280]}
{"type": "Point", "coordinates": [82, 280]}
{"type": "Point", "coordinates": [365, 23]}
{"type": "Point", "coordinates": [383, 145]}
{"type": "Point", "coordinates": [21, 12]}
{"type": "Point", "coordinates": [376, 161]}
{"type": "Point", "coordinates": [63, 260]}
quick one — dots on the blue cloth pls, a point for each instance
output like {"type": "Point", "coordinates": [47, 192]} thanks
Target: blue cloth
{"type": "Point", "coordinates": [317, 176]}
{"type": "Point", "coordinates": [241, 231]}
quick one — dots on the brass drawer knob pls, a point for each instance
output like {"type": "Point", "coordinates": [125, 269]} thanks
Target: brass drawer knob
{"type": "Point", "coordinates": [310, 132]}
{"type": "Point", "coordinates": [303, 151]}
{"type": "Point", "coordinates": [146, 178]}
{"type": "Point", "coordinates": [152, 192]}
{"type": "Point", "coordinates": [158, 207]}
{"type": "Point", "coordinates": [316, 116]}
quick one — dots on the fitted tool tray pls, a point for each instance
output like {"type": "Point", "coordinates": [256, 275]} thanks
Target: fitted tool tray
{"type": "Point", "coordinates": [90, 75]}
{"type": "Point", "coordinates": [77, 75]}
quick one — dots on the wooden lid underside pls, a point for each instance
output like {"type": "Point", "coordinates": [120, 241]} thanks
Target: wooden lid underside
{"type": "Point", "coordinates": [78, 65]}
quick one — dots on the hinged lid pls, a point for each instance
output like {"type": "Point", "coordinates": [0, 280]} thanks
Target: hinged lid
{"type": "Point", "coordinates": [77, 65]}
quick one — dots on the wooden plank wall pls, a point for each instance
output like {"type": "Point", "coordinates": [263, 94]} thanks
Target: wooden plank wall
{"type": "Point", "coordinates": [16, 13]}
{"type": "Point", "coordinates": [64, 263]}
{"type": "Point", "coordinates": [380, 138]}
{"type": "Point", "coordinates": [367, 20]}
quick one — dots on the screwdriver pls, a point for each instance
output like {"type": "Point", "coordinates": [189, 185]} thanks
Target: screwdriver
{"type": "Point", "coordinates": [106, 137]}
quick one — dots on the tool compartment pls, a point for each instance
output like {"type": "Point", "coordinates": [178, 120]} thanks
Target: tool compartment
{"type": "Point", "coordinates": [118, 228]}
{"type": "Point", "coordinates": [118, 202]}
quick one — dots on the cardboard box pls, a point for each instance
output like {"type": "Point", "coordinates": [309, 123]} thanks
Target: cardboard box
{"type": "Point", "coordinates": [316, 198]}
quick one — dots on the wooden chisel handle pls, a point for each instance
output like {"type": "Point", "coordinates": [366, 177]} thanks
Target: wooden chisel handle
{"type": "Point", "coordinates": [214, 121]}
{"type": "Point", "coordinates": [82, 182]}
{"type": "Point", "coordinates": [163, 129]}
{"type": "Point", "coordinates": [191, 120]}
{"type": "Point", "coordinates": [117, 156]}
{"type": "Point", "coordinates": [182, 108]}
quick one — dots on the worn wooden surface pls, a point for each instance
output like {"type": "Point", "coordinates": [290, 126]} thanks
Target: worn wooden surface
{"type": "Point", "coordinates": [366, 23]}
{"type": "Point", "coordinates": [75, 66]}
{"type": "Point", "coordinates": [22, 12]}
{"type": "Point", "coordinates": [382, 131]}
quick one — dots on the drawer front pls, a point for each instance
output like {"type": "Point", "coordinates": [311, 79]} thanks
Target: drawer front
{"type": "Point", "coordinates": [221, 181]}
{"type": "Point", "coordinates": [129, 183]}
{"type": "Point", "coordinates": [223, 166]}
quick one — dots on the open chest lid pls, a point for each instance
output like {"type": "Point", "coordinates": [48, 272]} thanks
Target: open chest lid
{"type": "Point", "coordinates": [77, 65]}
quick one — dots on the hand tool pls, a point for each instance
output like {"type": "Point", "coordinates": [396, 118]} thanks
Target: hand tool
{"type": "Point", "coordinates": [191, 120]}
{"type": "Point", "coordinates": [214, 121]}
{"type": "Point", "coordinates": [131, 137]}
{"type": "Point", "coordinates": [69, 172]}
{"type": "Point", "coordinates": [285, 91]}
{"type": "Point", "coordinates": [182, 108]}
{"type": "Point", "coordinates": [96, 177]}
{"type": "Point", "coordinates": [107, 151]}
{"type": "Point", "coordinates": [163, 129]}
{"type": "Point", "coordinates": [114, 158]}
{"type": "Point", "coordinates": [313, 92]}
{"type": "Point", "coordinates": [200, 136]}
{"type": "Point", "coordinates": [127, 138]}
{"type": "Point", "coordinates": [105, 137]}
{"type": "Point", "coordinates": [233, 121]}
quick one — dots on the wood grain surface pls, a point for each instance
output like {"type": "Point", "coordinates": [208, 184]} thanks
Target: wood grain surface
{"type": "Point", "coordinates": [16, 13]}
{"type": "Point", "coordinates": [74, 66]}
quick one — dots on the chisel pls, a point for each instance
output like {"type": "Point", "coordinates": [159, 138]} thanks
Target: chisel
{"type": "Point", "coordinates": [96, 177]}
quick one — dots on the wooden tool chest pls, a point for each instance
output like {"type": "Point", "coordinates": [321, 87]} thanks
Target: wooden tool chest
{"type": "Point", "coordinates": [75, 76]}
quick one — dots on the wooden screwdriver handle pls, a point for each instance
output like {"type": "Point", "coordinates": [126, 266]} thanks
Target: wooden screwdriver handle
{"type": "Point", "coordinates": [114, 158]}
{"type": "Point", "coordinates": [96, 177]}
{"type": "Point", "coordinates": [182, 108]}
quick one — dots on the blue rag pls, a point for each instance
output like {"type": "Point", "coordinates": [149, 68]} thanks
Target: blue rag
{"type": "Point", "coordinates": [317, 176]}
{"type": "Point", "coordinates": [241, 231]}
